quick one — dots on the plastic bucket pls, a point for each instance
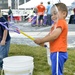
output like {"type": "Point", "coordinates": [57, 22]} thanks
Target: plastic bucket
{"type": "Point", "coordinates": [18, 65]}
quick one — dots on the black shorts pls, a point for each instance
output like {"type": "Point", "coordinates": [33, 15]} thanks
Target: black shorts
{"type": "Point", "coordinates": [40, 17]}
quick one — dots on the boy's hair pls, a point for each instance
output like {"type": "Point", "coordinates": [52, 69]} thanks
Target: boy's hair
{"type": "Point", "coordinates": [62, 7]}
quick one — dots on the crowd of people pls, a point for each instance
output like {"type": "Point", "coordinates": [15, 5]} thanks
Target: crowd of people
{"type": "Point", "coordinates": [45, 20]}
{"type": "Point", "coordinates": [40, 11]}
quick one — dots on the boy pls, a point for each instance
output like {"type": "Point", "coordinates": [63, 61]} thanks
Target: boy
{"type": "Point", "coordinates": [57, 39]}
{"type": "Point", "coordinates": [4, 41]}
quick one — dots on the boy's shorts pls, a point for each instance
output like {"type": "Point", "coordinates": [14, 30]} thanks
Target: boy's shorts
{"type": "Point", "coordinates": [57, 60]}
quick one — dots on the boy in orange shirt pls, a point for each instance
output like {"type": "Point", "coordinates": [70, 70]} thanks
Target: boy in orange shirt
{"type": "Point", "coordinates": [57, 38]}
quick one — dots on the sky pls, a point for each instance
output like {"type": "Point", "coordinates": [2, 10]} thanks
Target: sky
{"type": "Point", "coordinates": [67, 2]}
{"type": "Point", "coordinates": [33, 3]}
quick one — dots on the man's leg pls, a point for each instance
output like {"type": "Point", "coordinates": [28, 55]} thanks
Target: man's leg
{"type": "Point", "coordinates": [41, 22]}
{"type": "Point", "coordinates": [37, 21]}
{"type": "Point", "coordinates": [48, 19]}
{"type": "Point", "coordinates": [41, 19]}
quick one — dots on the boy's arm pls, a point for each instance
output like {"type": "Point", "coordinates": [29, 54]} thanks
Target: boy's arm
{"type": "Point", "coordinates": [54, 35]}
{"type": "Point", "coordinates": [4, 37]}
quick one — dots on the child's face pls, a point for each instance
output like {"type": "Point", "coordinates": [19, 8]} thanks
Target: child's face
{"type": "Point", "coordinates": [57, 14]}
{"type": "Point", "coordinates": [54, 14]}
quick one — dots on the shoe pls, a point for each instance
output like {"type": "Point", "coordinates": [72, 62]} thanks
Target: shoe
{"type": "Point", "coordinates": [44, 25]}
{"type": "Point", "coordinates": [33, 25]}
{"type": "Point", "coordinates": [38, 25]}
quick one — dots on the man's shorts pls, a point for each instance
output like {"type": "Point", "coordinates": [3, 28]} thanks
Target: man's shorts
{"type": "Point", "coordinates": [40, 17]}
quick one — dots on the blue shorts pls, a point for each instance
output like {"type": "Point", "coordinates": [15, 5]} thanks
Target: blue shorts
{"type": "Point", "coordinates": [57, 60]}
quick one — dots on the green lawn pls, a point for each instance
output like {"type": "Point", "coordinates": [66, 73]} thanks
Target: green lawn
{"type": "Point", "coordinates": [41, 66]}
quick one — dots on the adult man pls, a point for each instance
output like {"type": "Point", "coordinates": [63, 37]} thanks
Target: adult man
{"type": "Point", "coordinates": [40, 13]}
{"type": "Point", "coordinates": [10, 13]}
{"type": "Point", "coordinates": [48, 14]}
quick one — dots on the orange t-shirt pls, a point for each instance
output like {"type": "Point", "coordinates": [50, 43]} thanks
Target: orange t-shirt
{"type": "Point", "coordinates": [60, 44]}
{"type": "Point", "coordinates": [40, 9]}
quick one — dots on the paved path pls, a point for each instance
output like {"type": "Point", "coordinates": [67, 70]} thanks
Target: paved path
{"type": "Point", "coordinates": [28, 28]}
{"type": "Point", "coordinates": [38, 32]}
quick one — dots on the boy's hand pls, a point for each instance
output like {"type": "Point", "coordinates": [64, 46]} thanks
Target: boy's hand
{"type": "Point", "coordinates": [2, 42]}
{"type": "Point", "coordinates": [42, 44]}
{"type": "Point", "coordinates": [38, 41]}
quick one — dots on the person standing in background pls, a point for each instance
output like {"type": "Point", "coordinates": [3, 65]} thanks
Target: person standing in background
{"type": "Point", "coordinates": [40, 13]}
{"type": "Point", "coordinates": [10, 14]}
{"type": "Point", "coordinates": [72, 18]}
{"type": "Point", "coordinates": [48, 14]}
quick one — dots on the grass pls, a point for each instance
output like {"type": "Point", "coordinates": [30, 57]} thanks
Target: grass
{"type": "Point", "coordinates": [41, 66]}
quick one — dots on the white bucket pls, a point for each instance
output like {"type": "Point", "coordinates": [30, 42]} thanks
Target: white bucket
{"type": "Point", "coordinates": [18, 65]}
